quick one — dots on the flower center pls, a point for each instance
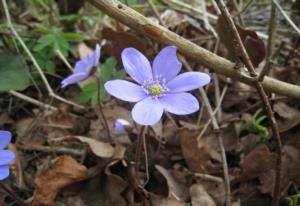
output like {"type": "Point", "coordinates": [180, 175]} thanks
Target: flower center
{"type": "Point", "coordinates": [155, 87]}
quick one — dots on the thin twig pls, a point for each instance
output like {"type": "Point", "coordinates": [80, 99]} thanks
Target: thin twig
{"type": "Point", "coordinates": [155, 11]}
{"type": "Point", "coordinates": [209, 177]}
{"type": "Point", "coordinates": [139, 148]}
{"type": "Point", "coordinates": [271, 43]}
{"type": "Point", "coordinates": [263, 96]}
{"type": "Point", "coordinates": [182, 7]}
{"type": "Point", "coordinates": [146, 27]}
{"type": "Point", "coordinates": [36, 65]}
{"type": "Point", "coordinates": [51, 149]}
{"type": "Point", "coordinates": [218, 107]}
{"type": "Point", "coordinates": [32, 101]}
{"type": "Point", "coordinates": [287, 18]}
{"type": "Point", "coordinates": [207, 25]}
{"type": "Point", "coordinates": [101, 110]}
{"type": "Point", "coordinates": [61, 56]}
{"type": "Point", "coordinates": [12, 194]}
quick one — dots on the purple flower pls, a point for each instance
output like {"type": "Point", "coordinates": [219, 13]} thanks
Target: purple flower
{"type": "Point", "coordinates": [121, 126]}
{"type": "Point", "coordinates": [6, 156]}
{"type": "Point", "coordinates": [159, 88]}
{"type": "Point", "coordinates": [83, 68]}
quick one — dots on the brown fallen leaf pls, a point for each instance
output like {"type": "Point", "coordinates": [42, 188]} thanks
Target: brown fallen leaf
{"type": "Point", "coordinates": [200, 196]}
{"type": "Point", "coordinates": [290, 170]}
{"type": "Point", "coordinates": [63, 172]}
{"type": "Point", "coordinates": [198, 154]}
{"type": "Point", "coordinates": [290, 115]}
{"type": "Point", "coordinates": [257, 162]}
{"type": "Point", "coordinates": [253, 44]}
{"type": "Point", "coordinates": [121, 40]}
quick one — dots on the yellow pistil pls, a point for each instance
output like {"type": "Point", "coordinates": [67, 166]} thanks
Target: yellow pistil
{"type": "Point", "coordinates": [155, 89]}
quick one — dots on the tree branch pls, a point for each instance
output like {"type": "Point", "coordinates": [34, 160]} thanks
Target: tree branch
{"type": "Point", "coordinates": [190, 50]}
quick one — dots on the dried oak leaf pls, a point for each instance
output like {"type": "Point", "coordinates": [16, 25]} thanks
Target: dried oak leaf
{"type": "Point", "coordinates": [63, 172]}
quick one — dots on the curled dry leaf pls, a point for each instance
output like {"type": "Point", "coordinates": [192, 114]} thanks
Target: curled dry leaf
{"type": "Point", "coordinates": [114, 186]}
{"type": "Point", "coordinates": [63, 172]}
{"type": "Point", "coordinates": [200, 196]}
{"type": "Point", "coordinates": [289, 114]}
{"type": "Point", "coordinates": [175, 188]}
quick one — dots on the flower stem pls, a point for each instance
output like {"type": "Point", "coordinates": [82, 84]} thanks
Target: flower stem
{"type": "Point", "coordinates": [139, 148]}
{"type": "Point", "coordinates": [101, 110]}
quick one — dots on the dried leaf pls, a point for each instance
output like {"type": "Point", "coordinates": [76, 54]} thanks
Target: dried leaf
{"type": "Point", "coordinates": [63, 172]}
{"type": "Point", "coordinates": [289, 114]}
{"type": "Point", "coordinates": [258, 161]}
{"type": "Point", "coordinates": [253, 44]}
{"type": "Point", "coordinates": [176, 189]}
{"type": "Point", "coordinates": [200, 196]}
{"type": "Point", "coordinates": [121, 40]}
{"type": "Point", "coordinates": [198, 155]}
{"type": "Point", "coordinates": [169, 201]}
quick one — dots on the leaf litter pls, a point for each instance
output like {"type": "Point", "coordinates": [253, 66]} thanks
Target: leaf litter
{"type": "Point", "coordinates": [63, 157]}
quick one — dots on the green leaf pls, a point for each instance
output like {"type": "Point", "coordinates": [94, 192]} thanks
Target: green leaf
{"type": "Point", "coordinates": [107, 69]}
{"type": "Point", "coordinates": [44, 41]}
{"type": "Point", "coordinates": [13, 73]}
{"type": "Point", "coordinates": [73, 36]}
{"type": "Point", "coordinates": [119, 74]}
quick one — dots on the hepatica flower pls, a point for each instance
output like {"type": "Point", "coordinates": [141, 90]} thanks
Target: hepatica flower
{"type": "Point", "coordinates": [159, 88]}
{"type": "Point", "coordinates": [121, 126]}
{"type": "Point", "coordinates": [83, 68]}
{"type": "Point", "coordinates": [6, 156]}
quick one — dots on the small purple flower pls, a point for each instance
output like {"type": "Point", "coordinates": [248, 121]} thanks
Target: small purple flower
{"type": "Point", "coordinates": [83, 68]}
{"type": "Point", "coordinates": [159, 88]}
{"type": "Point", "coordinates": [120, 126]}
{"type": "Point", "coordinates": [6, 156]}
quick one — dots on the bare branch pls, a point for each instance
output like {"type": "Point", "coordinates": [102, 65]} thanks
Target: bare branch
{"type": "Point", "coordinates": [190, 50]}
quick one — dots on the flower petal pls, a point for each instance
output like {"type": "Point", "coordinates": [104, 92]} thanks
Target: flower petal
{"type": "Point", "coordinates": [136, 65]}
{"type": "Point", "coordinates": [80, 67]}
{"type": "Point", "coordinates": [119, 126]}
{"type": "Point", "coordinates": [4, 172]}
{"type": "Point", "coordinates": [5, 138]}
{"type": "Point", "coordinates": [74, 78]}
{"type": "Point", "coordinates": [96, 55]}
{"type": "Point", "coordinates": [188, 81]}
{"type": "Point", "coordinates": [147, 112]}
{"type": "Point", "coordinates": [125, 90]}
{"type": "Point", "coordinates": [166, 63]}
{"type": "Point", "coordinates": [6, 156]}
{"type": "Point", "coordinates": [180, 103]}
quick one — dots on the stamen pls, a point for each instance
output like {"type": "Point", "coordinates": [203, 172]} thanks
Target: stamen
{"type": "Point", "coordinates": [155, 87]}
